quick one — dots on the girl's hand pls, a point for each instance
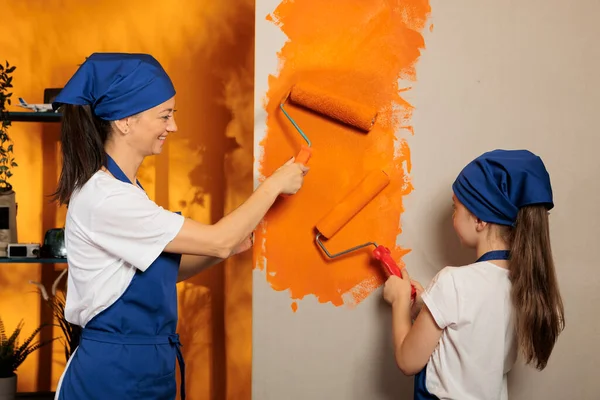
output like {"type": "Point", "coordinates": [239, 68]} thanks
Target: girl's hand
{"type": "Point", "coordinates": [397, 289]}
{"type": "Point", "coordinates": [418, 303]}
{"type": "Point", "coordinates": [288, 178]}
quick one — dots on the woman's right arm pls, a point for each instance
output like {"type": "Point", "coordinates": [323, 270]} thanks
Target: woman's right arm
{"type": "Point", "coordinates": [220, 239]}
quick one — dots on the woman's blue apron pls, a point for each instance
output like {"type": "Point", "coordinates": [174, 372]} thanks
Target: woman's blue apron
{"type": "Point", "coordinates": [128, 351]}
{"type": "Point", "coordinates": [421, 392]}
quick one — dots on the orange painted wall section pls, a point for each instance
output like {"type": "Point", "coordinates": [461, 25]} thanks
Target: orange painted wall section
{"type": "Point", "coordinates": [358, 50]}
{"type": "Point", "coordinates": [207, 48]}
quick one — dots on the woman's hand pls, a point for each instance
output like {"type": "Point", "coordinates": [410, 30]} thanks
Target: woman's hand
{"type": "Point", "coordinates": [245, 245]}
{"type": "Point", "coordinates": [288, 178]}
{"type": "Point", "coordinates": [397, 289]}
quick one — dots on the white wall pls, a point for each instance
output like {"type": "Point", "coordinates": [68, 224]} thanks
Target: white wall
{"type": "Point", "coordinates": [512, 74]}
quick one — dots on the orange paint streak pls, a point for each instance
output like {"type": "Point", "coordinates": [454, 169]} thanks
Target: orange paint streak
{"type": "Point", "coordinates": [359, 50]}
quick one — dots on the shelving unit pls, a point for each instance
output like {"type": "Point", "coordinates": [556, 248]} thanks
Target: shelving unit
{"type": "Point", "coordinates": [48, 270]}
{"type": "Point", "coordinates": [34, 116]}
{"type": "Point", "coordinates": [6, 260]}
{"type": "Point", "coordinates": [18, 116]}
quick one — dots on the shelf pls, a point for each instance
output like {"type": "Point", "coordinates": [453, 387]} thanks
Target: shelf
{"type": "Point", "coordinates": [33, 116]}
{"type": "Point", "coordinates": [36, 395]}
{"type": "Point", "coordinates": [6, 260]}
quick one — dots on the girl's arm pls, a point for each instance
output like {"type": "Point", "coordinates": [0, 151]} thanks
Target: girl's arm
{"type": "Point", "coordinates": [413, 343]}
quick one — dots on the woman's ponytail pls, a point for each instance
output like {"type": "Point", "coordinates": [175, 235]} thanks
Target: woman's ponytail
{"type": "Point", "coordinates": [535, 293]}
{"type": "Point", "coordinates": [82, 141]}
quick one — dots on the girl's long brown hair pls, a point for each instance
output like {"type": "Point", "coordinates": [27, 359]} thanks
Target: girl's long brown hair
{"type": "Point", "coordinates": [535, 293]}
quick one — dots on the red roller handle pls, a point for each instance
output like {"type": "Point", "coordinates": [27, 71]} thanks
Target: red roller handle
{"type": "Point", "coordinates": [384, 255]}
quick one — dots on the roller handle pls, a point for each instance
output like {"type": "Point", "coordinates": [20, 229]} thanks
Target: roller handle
{"type": "Point", "coordinates": [302, 158]}
{"type": "Point", "coordinates": [304, 155]}
{"type": "Point", "coordinates": [384, 255]}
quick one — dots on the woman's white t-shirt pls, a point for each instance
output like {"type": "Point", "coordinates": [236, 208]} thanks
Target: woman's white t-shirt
{"type": "Point", "coordinates": [112, 228]}
{"type": "Point", "coordinates": [478, 347]}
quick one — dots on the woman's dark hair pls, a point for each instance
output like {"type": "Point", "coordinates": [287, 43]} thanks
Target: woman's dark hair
{"type": "Point", "coordinates": [535, 294]}
{"type": "Point", "coordinates": [82, 137]}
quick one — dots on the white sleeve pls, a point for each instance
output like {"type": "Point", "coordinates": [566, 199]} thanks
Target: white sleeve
{"type": "Point", "coordinates": [132, 227]}
{"type": "Point", "coordinates": [441, 297]}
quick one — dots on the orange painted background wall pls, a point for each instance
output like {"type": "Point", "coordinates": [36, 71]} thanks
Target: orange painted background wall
{"type": "Point", "coordinates": [357, 50]}
{"type": "Point", "coordinates": [205, 170]}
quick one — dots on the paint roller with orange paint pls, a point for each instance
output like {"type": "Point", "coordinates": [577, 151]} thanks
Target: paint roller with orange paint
{"type": "Point", "coordinates": [351, 205]}
{"type": "Point", "coordinates": [338, 108]}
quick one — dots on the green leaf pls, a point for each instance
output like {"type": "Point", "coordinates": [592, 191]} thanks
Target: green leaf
{"type": "Point", "coordinates": [9, 174]}
{"type": "Point", "coordinates": [10, 148]}
{"type": "Point", "coordinates": [14, 164]}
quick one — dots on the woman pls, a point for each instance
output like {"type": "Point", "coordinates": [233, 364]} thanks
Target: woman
{"type": "Point", "coordinates": [125, 253]}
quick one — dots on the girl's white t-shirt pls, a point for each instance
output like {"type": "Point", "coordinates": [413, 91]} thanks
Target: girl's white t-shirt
{"type": "Point", "coordinates": [112, 228]}
{"type": "Point", "coordinates": [478, 347]}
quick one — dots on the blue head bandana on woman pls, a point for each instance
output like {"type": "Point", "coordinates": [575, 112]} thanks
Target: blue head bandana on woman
{"type": "Point", "coordinates": [117, 85]}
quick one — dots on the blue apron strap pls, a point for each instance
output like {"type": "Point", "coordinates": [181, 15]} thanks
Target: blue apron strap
{"type": "Point", "coordinates": [495, 255]}
{"type": "Point", "coordinates": [178, 347]}
{"type": "Point", "coordinates": [116, 338]}
{"type": "Point", "coordinates": [117, 172]}
{"type": "Point", "coordinates": [420, 390]}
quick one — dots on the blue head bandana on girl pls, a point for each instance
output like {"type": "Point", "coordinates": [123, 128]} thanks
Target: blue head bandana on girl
{"type": "Point", "coordinates": [495, 185]}
{"type": "Point", "coordinates": [117, 85]}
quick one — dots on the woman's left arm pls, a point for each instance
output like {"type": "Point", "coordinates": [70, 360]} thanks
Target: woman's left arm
{"type": "Point", "coordinates": [191, 264]}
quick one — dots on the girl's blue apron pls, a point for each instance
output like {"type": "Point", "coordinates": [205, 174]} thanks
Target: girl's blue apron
{"type": "Point", "coordinates": [421, 392]}
{"type": "Point", "coordinates": [128, 351]}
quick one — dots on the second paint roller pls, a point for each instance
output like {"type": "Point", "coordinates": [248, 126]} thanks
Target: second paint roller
{"type": "Point", "coordinates": [321, 101]}
{"type": "Point", "coordinates": [344, 211]}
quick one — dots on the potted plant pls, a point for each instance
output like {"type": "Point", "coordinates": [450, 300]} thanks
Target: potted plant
{"type": "Point", "coordinates": [8, 206]}
{"type": "Point", "coordinates": [57, 301]}
{"type": "Point", "coordinates": [12, 356]}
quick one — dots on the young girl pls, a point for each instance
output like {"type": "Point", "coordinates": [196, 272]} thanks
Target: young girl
{"type": "Point", "coordinates": [474, 319]}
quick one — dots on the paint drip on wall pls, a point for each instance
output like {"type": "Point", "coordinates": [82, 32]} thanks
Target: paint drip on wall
{"type": "Point", "coordinates": [360, 50]}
